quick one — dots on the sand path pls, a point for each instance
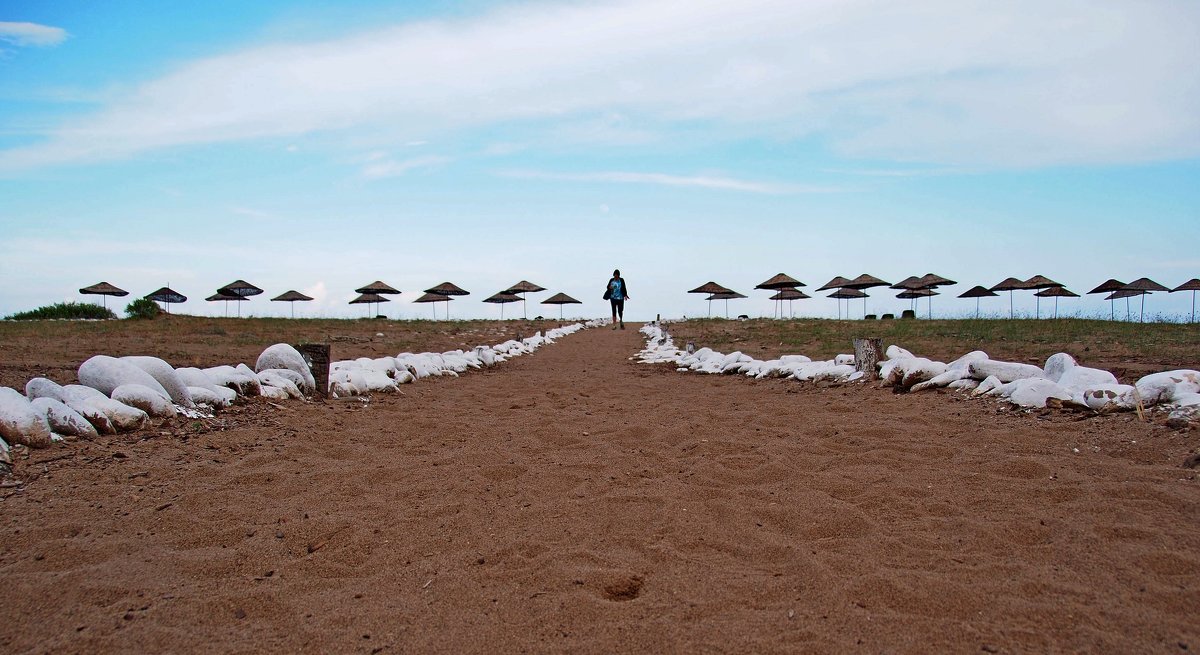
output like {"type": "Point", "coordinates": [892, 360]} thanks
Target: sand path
{"type": "Point", "coordinates": [573, 500]}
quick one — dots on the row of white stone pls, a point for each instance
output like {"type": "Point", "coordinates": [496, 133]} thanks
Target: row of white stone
{"type": "Point", "coordinates": [1060, 381]}
{"type": "Point", "coordinates": [124, 394]}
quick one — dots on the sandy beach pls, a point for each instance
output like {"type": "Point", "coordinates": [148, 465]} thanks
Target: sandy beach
{"type": "Point", "coordinates": [573, 500]}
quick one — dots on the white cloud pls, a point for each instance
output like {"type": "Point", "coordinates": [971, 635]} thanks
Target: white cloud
{"type": "Point", "coordinates": [1025, 82]}
{"type": "Point", "coordinates": [31, 34]}
{"type": "Point", "coordinates": [382, 166]}
{"type": "Point", "coordinates": [666, 179]}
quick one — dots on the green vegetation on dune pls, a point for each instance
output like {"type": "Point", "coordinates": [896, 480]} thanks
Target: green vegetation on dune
{"type": "Point", "coordinates": [64, 311]}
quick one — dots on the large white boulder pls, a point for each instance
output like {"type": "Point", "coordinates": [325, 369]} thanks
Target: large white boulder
{"type": "Point", "coordinates": [227, 376]}
{"type": "Point", "coordinates": [62, 419]}
{"type": "Point", "coordinates": [1056, 365]}
{"type": "Point", "coordinates": [20, 422]}
{"type": "Point", "coordinates": [194, 377]}
{"type": "Point", "coordinates": [1082, 378]}
{"type": "Point", "coordinates": [276, 381]}
{"type": "Point", "coordinates": [210, 397]}
{"type": "Point", "coordinates": [1163, 387]}
{"type": "Point", "coordinates": [905, 372]}
{"type": "Point", "coordinates": [76, 396]}
{"type": "Point", "coordinates": [1110, 397]}
{"type": "Point", "coordinates": [146, 399]}
{"type": "Point", "coordinates": [896, 352]}
{"type": "Point", "coordinates": [965, 361]}
{"type": "Point", "coordinates": [1034, 392]}
{"type": "Point", "coordinates": [105, 373]}
{"type": "Point", "coordinates": [1003, 371]}
{"type": "Point", "coordinates": [286, 373]}
{"type": "Point", "coordinates": [165, 375]}
{"type": "Point", "coordinates": [282, 355]}
{"type": "Point", "coordinates": [43, 388]}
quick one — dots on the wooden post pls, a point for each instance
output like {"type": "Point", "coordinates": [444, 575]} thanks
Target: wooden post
{"type": "Point", "coordinates": [317, 356]}
{"type": "Point", "coordinates": [867, 353]}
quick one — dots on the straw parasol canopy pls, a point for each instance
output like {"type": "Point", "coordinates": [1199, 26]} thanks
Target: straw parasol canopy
{"type": "Point", "coordinates": [502, 298]}
{"type": "Point", "coordinates": [1145, 285]}
{"type": "Point", "coordinates": [780, 281]}
{"type": "Point", "coordinates": [436, 297]}
{"type": "Point", "coordinates": [789, 295]}
{"type": "Point", "coordinates": [1010, 284]}
{"type": "Point", "coordinates": [240, 288]}
{"type": "Point", "coordinates": [520, 289]}
{"type": "Point", "coordinates": [1192, 285]}
{"type": "Point", "coordinates": [977, 292]}
{"type": "Point", "coordinates": [1040, 282]}
{"type": "Point", "coordinates": [226, 297]}
{"type": "Point", "coordinates": [913, 294]}
{"type": "Point", "coordinates": [863, 281]}
{"type": "Point", "coordinates": [726, 296]}
{"type": "Point", "coordinates": [1108, 287]}
{"type": "Point", "coordinates": [368, 299]}
{"type": "Point", "coordinates": [291, 297]}
{"type": "Point", "coordinates": [1056, 293]}
{"type": "Point", "coordinates": [104, 290]}
{"type": "Point", "coordinates": [847, 294]}
{"type": "Point", "coordinates": [561, 299]}
{"type": "Point", "coordinates": [166, 296]}
{"type": "Point", "coordinates": [933, 280]}
{"type": "Point", "coordinates": [910, 282]}
{"type": "Point", "coordinates": [448, 289]}
{"type": "Point", "coordinates": [836, 283]}
{"type": "Point", "coordinates": [378, 288]}
{"type": "Point", "coordinates": [709, 288]}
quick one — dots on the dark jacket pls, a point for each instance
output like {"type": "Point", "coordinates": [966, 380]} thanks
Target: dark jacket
{"type": "Point", "coordinates": [608, 289]}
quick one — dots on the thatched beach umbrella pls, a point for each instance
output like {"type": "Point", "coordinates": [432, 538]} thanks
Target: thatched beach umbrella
{"type": "Point", "coordinates": [291, 298]}
{"type": "Point", "coordinates": [436, 297]}
{"type": "Point", "coordinates": [861, 282]}
{"type": "Point", "coordinates": [1145, 285]}
{"type": "Point", "coordinates": [1108, 287]}
{"type": "Point", "coordinates": [1126, 294]}
{"type": "Point", "coordinates": [780, 281]}
{"type": "Point", "coordinates": [104, 290]}
{"type": "Point", "coordinates": [836, 283]}
{"type": "Point", "coordinates": [377, 288]}
{"type": "Point", "coordinates": [239, 288]}
{"type": "Point", "coordinates": [226, 297]}
{"type": "Point", "coordinates": [709, 288]}
{"type": "Point", "coordinates": [847, 294]}
{"type": "Point", "coordinates": [560, 299]}
{"type": "Point", "coordinates": [726, 296]}
{"type": "Point", "coordinates": [167, 296]}
{"type": "Point", "coordinates": [1009, 285]}
{"type": "Point", "coordinates": [977, 292]}
{"type": "Point", "coordinates": [1192, 285]}
{"type": "Point", "coordinates": [1040, 282]}
{"type": "Point", "coordinates": [448, 289]}
{"type": "Point", "coordinates": [502, 298]}
{"type": "Point", "coordinates": [520, 289]}
{"type": "Point", "coordinates": [789, 295]}
{"type": "Point", "coordinates": [1056, 293]}
{"type": "Point", "coordinates": [368, 299]}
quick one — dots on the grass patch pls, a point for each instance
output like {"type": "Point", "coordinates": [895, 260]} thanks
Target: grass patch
{"type": "Point", "coordinates": [70, 311]}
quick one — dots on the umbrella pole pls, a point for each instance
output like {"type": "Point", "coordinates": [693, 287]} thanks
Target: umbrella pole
{"type": "Point", "coordinates": [1038, 313]}
{"type": "Point", "coordinates": [1193, 306]}
{"type": "Point", "coordinates": [1142, 317]}
{"type": "Point", "coordinates": [1056, 308]}
{"type": "Point", "coordinates": [977, 308]}
{"type": "Point", "coordinates": [1011, 314]}
{"type": "Point", "coordinates": [293, 304]}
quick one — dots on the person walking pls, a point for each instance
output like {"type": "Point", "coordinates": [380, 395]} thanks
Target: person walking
{"type": "Point", "coordinates": [616, 293]}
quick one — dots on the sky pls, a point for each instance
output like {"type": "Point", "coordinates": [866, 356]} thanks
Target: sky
{"type": "Point", "coordinates": [321, 146]}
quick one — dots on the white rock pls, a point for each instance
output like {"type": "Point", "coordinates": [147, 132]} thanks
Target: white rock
{"type": "Point", "coordinates": [123, 418]}
{"type": "Point", "coordinates": [244, 384]}
{"type": "Point", "coordinates": [942, 380]}
{"type": "Point", "coordinates": [1004, 371]}
{"type": "Point", "coordinates": [905, 372]}
{"type": "Point", "coordinates": [1186, 399]}
{"type": "Point", "coordinates": [210, 397]}
{"type": "Point", "coordinates": [76, 396]}
{"type": "Point", "coordinates": [146, 399]}
{"type": "Point", "coordinates": [20, 422]}
{"type": "Point", "coordinates": [962, 363]}
{"type": "Point", "coordinates": [5, 456]}
{"type": "Point", "coordinates": [486, 355]}
{"type": "Point", "coordinates": [194, 377]}
{"type": "Point", "coordinates": [341, 389]}
{"type": "Point", "coordinates": [1163, 387]}
{"type": "Point", "coordinates": [896, 352]}
{"type": "Point", "coordinates": [1034, 392]}
{"type": "Point", "coordinates": [43, 388]}
{"type": "Point", "coordinates": [289, 374]}
{"type": "Point", "coordinates": [105, 373]}
{"type": "Point", "coordinates": [270, 378]}
{"type": "Point", "coordinates": [989, 386]}
{"type": "Point", "coordinates": [275, 393]}
{"type": "Point", "coordinates": [1056, 365]}
{"type": "Point", "coordinates": [1109, 397]}
{"type": "Point", "coordinates": [1082, 378]}
{"type": "Point", "coordinates": [965, 384]}
{"type": "Point", "coordinates": [166, 375]}
{"type": "Point", "coordinates": [63, 419]}
{"type": "Point", "coordinates": [282, 355]}
{"type": "Point", "coordinates": [844, 359]}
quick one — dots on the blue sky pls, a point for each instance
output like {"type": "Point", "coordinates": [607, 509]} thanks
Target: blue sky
{"type": "Point", "coordinates": [299, 145]}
